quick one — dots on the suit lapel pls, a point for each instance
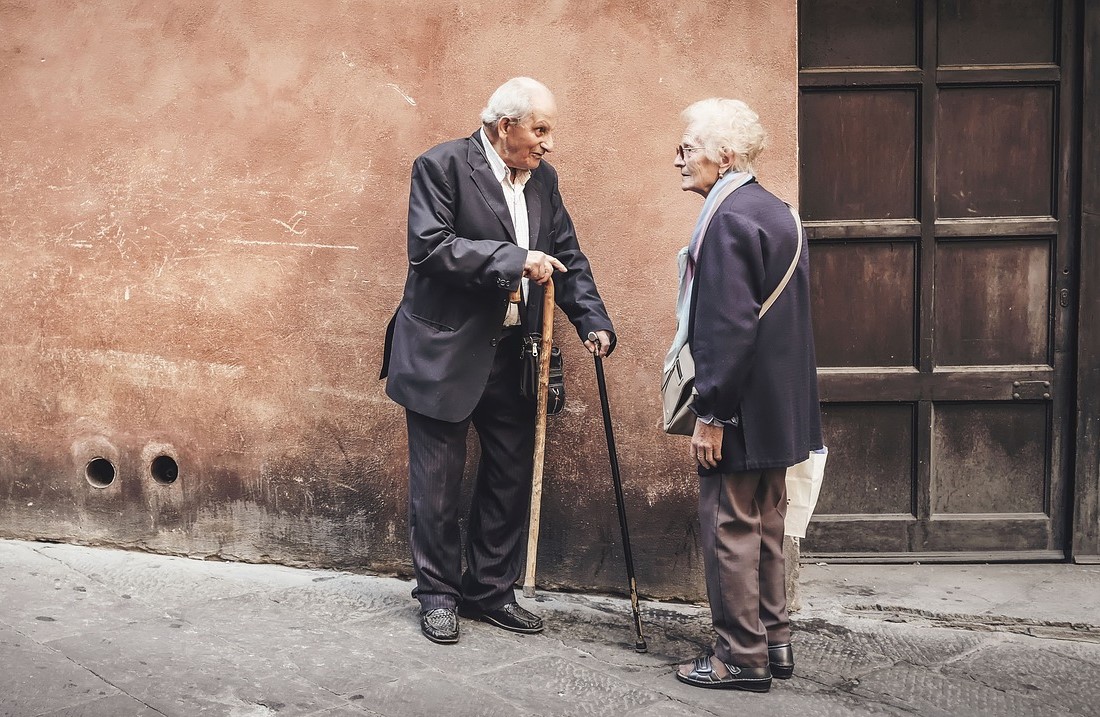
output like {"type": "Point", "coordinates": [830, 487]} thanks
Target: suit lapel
{"type": "Point", "coordinates": [488, 185]}
{"type": "Point", "coordinates": [533, 198]}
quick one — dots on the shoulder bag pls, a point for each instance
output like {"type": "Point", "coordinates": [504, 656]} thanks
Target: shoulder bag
{"type": "Point", "coordinates": [678, 386]}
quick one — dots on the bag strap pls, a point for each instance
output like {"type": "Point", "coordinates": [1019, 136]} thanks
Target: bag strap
{"type": "Point", "coordinates": [790, 271]}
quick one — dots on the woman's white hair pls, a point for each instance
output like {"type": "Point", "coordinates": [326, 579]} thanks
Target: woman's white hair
{"type": "Point", "coordinates": [726, 127]}
{"type": "Point", "coordinates": [514, 100]}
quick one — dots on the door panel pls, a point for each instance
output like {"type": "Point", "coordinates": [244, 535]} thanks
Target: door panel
{"type": "Point", "coordinates": [990, 458]}
{"type": "Point", "coordinates": [873, 474]}
{"type": "Point", "coordinates": [841, 28]}
{"type": "Point", "coordinates": [997, 32]}
{"type": "Point", "coordinates": [934, 183]}
{"type": "Point", "coordinates": [992, 302]}
{"type": "Point", "coordinates": [995, 151]}
{"type": "Point", "coordinates": [869, 273]}
{"type": "Point", "coordinates": [859, 155]}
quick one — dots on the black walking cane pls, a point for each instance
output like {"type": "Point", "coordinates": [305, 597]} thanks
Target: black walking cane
{"type": "Point", "coordinates": [639, 642]}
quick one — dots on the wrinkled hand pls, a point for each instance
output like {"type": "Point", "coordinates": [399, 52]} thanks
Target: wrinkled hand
{"type": "Point", "coordinates": [602, 342]}
{"type": "Point", "coordinates": [706, 444]}
{"type": "Point", "coordinates": [540, 266]}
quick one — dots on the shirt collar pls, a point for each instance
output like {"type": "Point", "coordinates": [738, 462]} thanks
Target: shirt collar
{"type": "Point", "coordinates": [501, 170]}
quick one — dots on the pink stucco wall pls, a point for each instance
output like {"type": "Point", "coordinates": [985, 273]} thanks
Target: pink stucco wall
{"type": "Point", "coordinates": [202, 209]}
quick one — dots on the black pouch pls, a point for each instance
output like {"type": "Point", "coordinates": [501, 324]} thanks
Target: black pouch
{"type": "Point", "coordinates": [529, 374]}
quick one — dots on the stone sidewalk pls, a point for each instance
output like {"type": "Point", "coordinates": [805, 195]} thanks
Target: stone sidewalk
{"type": "Point", "coordinates": [92, 632]}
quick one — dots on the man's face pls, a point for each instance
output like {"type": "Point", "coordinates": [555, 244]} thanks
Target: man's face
{"type": "Point", "coordinates": [525, 142]}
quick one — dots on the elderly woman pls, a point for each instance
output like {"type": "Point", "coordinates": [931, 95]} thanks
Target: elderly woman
{"type": "Point", "coordinates": [756, 406]}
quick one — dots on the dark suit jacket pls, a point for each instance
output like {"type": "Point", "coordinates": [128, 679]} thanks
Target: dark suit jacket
{"type": "Point", "coordinates": [761, 370]}
{"type": "Point", "coordinates": [463, 264]}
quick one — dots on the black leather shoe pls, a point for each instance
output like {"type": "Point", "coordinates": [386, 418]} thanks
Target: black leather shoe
{"type": "Point", "coordinates": [781, 661]}
{"type": "Point", "coordinates": [751, 679]}
{"type": "Point", "coordinates": [509, 617]}
{"type": "Point", "coordinates": [440, 625]}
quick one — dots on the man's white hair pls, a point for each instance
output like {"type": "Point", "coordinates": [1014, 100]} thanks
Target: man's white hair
{"type": "Point", "coordinates": [726, 127]}
{"type": "Point", "coordinates": [514, 100]}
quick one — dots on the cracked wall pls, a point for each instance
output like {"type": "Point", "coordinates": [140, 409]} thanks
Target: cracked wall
{"type": "Point", "coordinates": [202, 208]}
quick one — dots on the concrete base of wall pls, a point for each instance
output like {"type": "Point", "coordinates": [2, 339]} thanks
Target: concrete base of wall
{"type": "Point", "coordinates": [791, 554]}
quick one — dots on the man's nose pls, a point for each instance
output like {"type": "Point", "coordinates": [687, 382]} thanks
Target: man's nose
{"type": "Point", "coordinates": [548, 143]}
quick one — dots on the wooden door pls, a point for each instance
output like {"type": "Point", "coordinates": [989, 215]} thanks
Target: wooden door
{"type": "Point", "coordinates": [935, 184]}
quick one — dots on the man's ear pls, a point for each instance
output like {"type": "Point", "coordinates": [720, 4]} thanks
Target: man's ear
{"type": "Point", "coordinates": [503, 125]}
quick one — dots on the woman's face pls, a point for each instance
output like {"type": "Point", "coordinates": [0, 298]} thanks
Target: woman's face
{"type": "Point", "coordinates": [697, 172]}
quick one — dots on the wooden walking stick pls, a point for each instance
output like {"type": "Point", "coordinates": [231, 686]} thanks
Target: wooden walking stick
{"type": "Point", "coordinates": [540, 436]}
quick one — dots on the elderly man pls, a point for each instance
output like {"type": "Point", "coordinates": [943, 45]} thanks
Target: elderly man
{"type": "Point", "coordinates": [485, 219]}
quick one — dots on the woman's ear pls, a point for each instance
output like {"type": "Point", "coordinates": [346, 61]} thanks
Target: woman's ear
{"type": "Point", "coordinates": [725, 163]}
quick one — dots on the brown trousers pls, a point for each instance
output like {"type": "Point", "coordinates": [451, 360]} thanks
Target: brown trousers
{"type": "Point", "coordinates": [741, 520]}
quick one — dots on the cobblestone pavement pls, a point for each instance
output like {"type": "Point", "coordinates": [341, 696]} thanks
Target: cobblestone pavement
{"type": "Point", "coordinates": [91, 632]}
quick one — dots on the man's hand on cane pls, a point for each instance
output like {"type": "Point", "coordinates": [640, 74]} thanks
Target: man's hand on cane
{"type": "Point", "coordinates": [540, 266]}
{"type": "Point", "coordinates": [602, 343]}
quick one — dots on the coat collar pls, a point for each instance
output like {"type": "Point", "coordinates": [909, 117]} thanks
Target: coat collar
{"type": "Point", "coordinates": [487, 184]}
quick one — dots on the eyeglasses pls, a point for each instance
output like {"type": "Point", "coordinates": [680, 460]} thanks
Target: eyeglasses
{"type": "Point", "coordinates": [683, 149]}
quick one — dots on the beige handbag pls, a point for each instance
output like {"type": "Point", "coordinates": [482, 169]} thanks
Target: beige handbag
{"type": "Point", "coordinates": [678, 386]}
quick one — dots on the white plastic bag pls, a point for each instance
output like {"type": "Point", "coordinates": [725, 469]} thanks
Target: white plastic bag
{"type": "Point", "coordinates": [803, 487]}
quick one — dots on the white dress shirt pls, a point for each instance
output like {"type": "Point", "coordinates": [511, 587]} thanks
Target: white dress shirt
{"type": "Point", "coordinates": [517, 207]}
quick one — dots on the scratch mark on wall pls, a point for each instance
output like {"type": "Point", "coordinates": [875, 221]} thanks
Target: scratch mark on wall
{"type": "Point", "coordinates": [293, 228]}
{"type": "Point", "coordinates": [397, 89]}
{"type": "Point", "coordinates": [287, 243]}
{"type": "Point", "coordinates": [147, 369]}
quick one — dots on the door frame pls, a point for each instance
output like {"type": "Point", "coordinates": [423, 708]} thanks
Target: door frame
{"type": "Point", "coordinates": [1086, 499]}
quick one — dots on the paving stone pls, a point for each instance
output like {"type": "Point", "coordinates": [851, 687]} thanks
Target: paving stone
{"type": "Point", "coordinates": [1025, 666]}
{"type": "Point", "coordinates": [604, 628]}
{"type": "Point", "coordinates": [160, 581]}
{"type": "Point", "coordinates": [114, 706]}
{"type": "Point", "coordinates": [667, 707]}
{"type": "Point", "coordinates": [47, 600]}
{"type": "Point", "coordinates": [378, 595]}
{"type": "Point", "coordinates": [1085, 651]}
{"type": "Point", "coordinates": [901, 641]}
{"type": "Point", "coordinates": [833, 658]}
{"type": "Point", "coordinates": [182, 670]}
{"type": "Point", "coordinates": [929, 693]}
{"type": "Point", "coordinates": [207, 638]}
{"type": "Point", "coordinates": [788, 697]}
{"type": "Point", "coordinates": [559, 686]}
{"type": "Point", "coordinates": [348, 710]}
{"type": "Point", "coordinates": [268, 610]}
{"type": "Point", "coordinates": [435, 693]}
{"type": "Point", "coordinates": [35, 675]}
{"type": "Point", "coordinates": [343, 658]}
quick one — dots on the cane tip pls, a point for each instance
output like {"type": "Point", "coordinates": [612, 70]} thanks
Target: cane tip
{"type": "Point", "coordinates": [640, 647]}
{"type": "Point", "coordinates": [528, 591]}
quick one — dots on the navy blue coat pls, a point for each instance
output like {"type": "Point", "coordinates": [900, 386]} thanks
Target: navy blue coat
{"type": "Point", "coordinates": [463, 264]}
{"type": "Point", "coordinates": [761, 371]}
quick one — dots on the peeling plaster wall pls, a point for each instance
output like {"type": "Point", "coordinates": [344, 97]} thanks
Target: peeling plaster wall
{"type": "Point", "coordinates": [202, 212]}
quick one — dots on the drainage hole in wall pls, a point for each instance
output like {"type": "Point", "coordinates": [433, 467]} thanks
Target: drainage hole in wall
{"type": "Point", "coordinates": [100, 472]}
{"type": "Point", "coordinates": [164, 470]}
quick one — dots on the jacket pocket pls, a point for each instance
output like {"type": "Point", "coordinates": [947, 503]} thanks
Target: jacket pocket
{"type": "Point", "coordinates": [431, 324]}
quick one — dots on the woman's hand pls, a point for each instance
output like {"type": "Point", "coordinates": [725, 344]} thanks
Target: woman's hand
{"type": "Point", "coordinates": [706, 444]}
